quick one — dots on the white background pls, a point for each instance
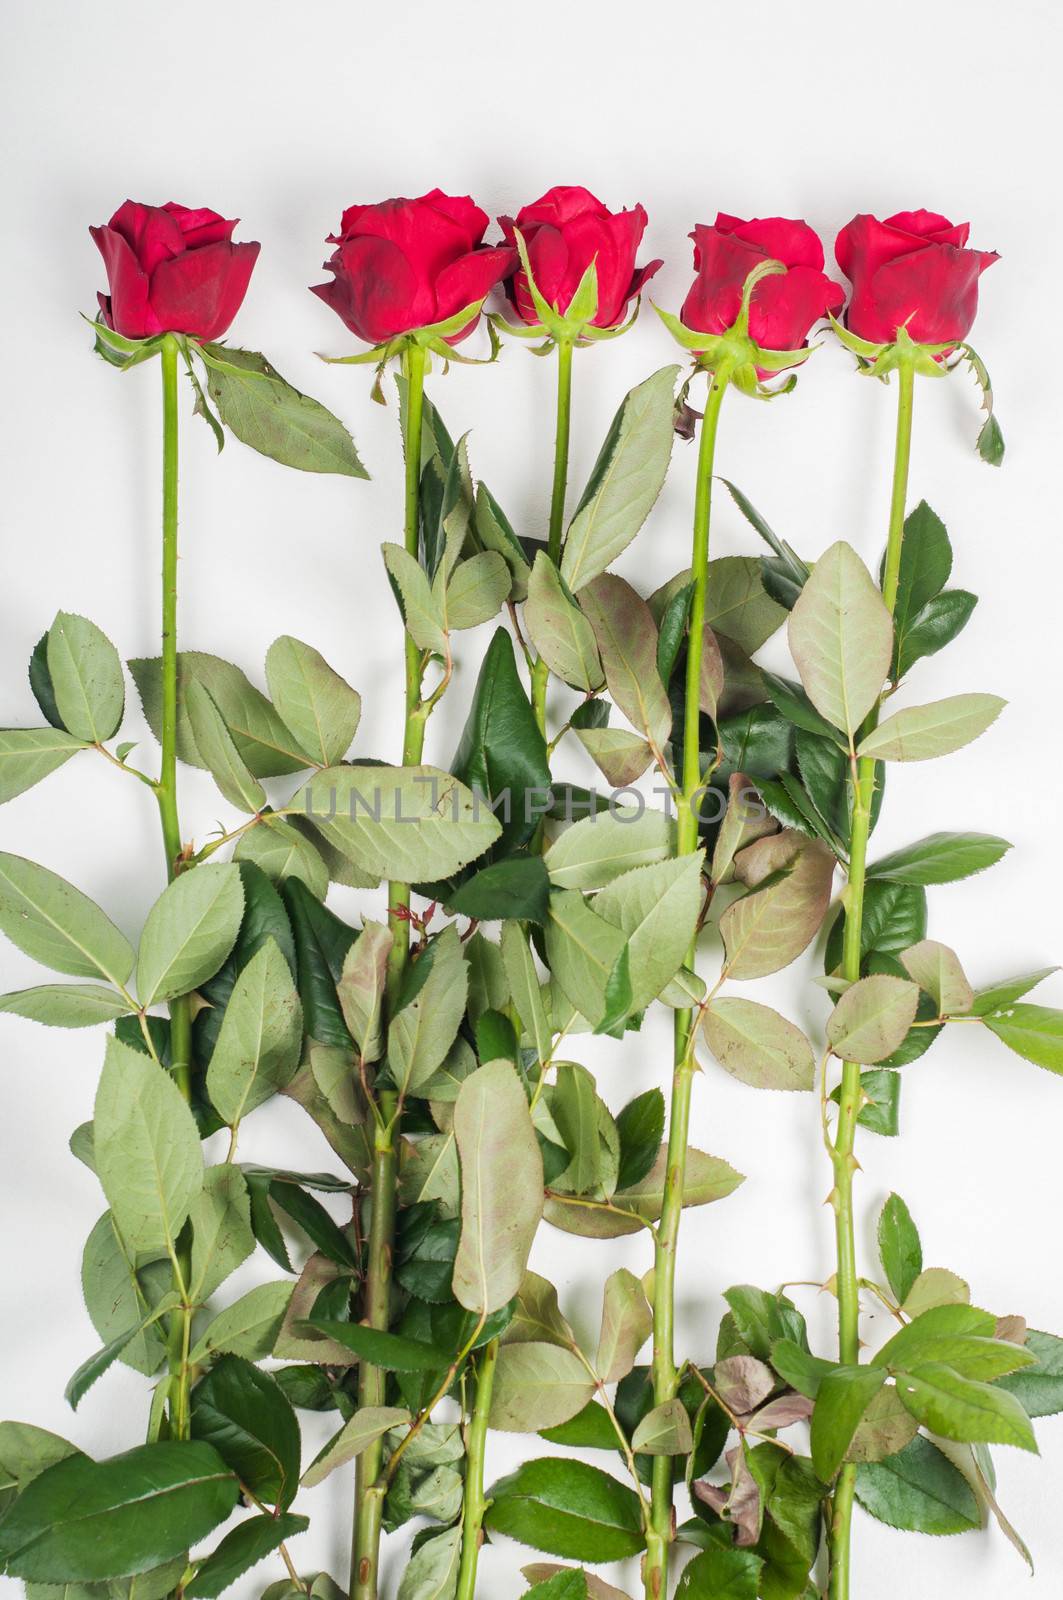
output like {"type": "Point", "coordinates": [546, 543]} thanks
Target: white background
{"type": "Point", "coordinates": [283, 115]}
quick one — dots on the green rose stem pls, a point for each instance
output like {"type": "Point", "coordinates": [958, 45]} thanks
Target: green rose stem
{"type": "Point", "coordinates": [166, 794]}
{"type": "Point", "coordinates": [370, 1489]}
{"type": "Point", "coordinates": [541, 671]}
{"type": "Point", "coordinates": [475, 1505]}
{"type": "Point", "coordinates": [665, 1374]}
{"type": "Point", "coordinates": [844, 1162]}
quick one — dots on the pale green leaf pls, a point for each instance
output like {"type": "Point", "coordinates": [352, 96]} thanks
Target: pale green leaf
{"type": "Point", "coordinates": [477, 590]}
{"type": "Point", "coordinates": [29, 754]}
{"type": "Point", "coordinates": [599, 848]}
{"type": "Point", "coordinates": [361, 987]}
{"type": "Point", "coordinates": [525, 989]}
{"type": "Point", "coordinates": [537, 1385]}
{"type": "Point", "coordinates": [841, 638]}
{"type": "Point", "coordinates": [559, 630]}
{"type": "Point", "coordinates": [189, 931]}
{"type": "Point", "coordinates": [627, 1322]}
{"type": "Point", "coordinates": [919, 733]}
{"type": "Point", "coordinates": [423, 1031]}
{"type": "Point", "coordinates": [937, 969]}
{"type": "Point", "coordinates": [758, 1046]}
{"type": "Point", "coordinates": [318, 706]}
{"type": "Point", "coordinates": [86, 675]}
{"type": "Point", "coordinates": [221, 1229]}
{"type": "Point", "coordinates": [664, 1431]}
{"type": "Point", "coordinates": [872, 1018]}
{"type": "Point", "coordinates": [57, 925]}
{"type": "Point", "coordinates": [627, 639]}
{"type": "Point", "coordinates": [425, 618]}
{"type": "Point", "coordinates": [657, 908]}
{"type": "Point", "coordinates": [66, 1005]}
{"type": "Point", "coordinates": [502, 1187]}
{"type": "Point", "coordinates": [215, 745]}
{"type": "Point", "coordinates": [367, 1424]}
{"type": "Point", "coordinates": [260, 1039]}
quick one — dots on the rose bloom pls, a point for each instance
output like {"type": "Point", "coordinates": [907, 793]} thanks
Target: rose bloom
{"type": "Point", "coordinates": [406, 264]}
{"type": "Point", "coordinates": [912, 271]}
{"type": "Point", "coordinates": [172, 269]}
{"type": "Point", "coordinates": [783, 307]}
{"type": "Point", "coordinates": [564, 232]}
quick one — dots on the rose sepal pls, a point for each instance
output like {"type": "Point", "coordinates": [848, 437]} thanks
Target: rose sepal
{"type": "Point", "coordinates": [734, 350]}
{"type": "Point", "coordinates": [573, 325]}
{"type": "Point", "coordinates": [118, 350]}
{"type": "Point", "coordinates": [990, 441]}
{"type": "Point", "coordinates": [880, 360]}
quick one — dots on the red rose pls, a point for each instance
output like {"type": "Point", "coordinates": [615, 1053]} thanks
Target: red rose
{"type": "Point", "coordinates": [911, 271]}
{"type": "Point", "coordinates": [172, 270]}
{"type": "Point", "coordinates": [564, 232]}
{"type": "Point", "coordinates": [783, 307]}
{"type": "Point", "coordinates": [407, 264]}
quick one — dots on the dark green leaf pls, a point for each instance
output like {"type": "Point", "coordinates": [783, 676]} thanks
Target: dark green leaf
{"type": "Point", "coordinates": [793, 702]}
{"type": "Point", "coordinates": [941, 858]}
{"type": "Point", "coordinates": [1040, 1387]}
{"type": "Point", "coordinates": [314, 1220]}
{"type": "Point", "coordinates": [321, 943]}
{"type": "Point", "coordinates": [962, 1408]}
{"type": "Point", "coordinates": [672, 631]}
{"type": "Point", "coordinates": [41, 683]}
{"type": "Point", "coordinates": [641, 1127]}
{"type": "Point", "coordinates": [926, 563]}
{"type": "Point", "coordinates": [894, 919]}
{"type": "Point", "coordinates": [761, 1318]}
{"type": "Point", "coordinates": [899, 1247]}
{"type": "Point", "coordinates": [383, 1349]}
{"type": "Point", "coordinates": [240, 1550]}
{"type": "Point", "coordinates": [844, 1395]}
{"type": "Point", "coordinates": [264, 918]}
{"type": "Point", "coordinates": [935, 626]}
{"type": "Point", "coordinates": [496, 1038]}
{"type": "Point", "coordinates": [501, 750]}
{"type": "Point", "coordinates": [802, 1371]}
{"type": "Point", "coordinates": [271, 416]}
{"type": "Point", "coordinates": [245, 1415]}
{"type": "Point", "coordinates": [789, 562]}
{"type": "Point", "coordinates": [883, 1091]}
{"type": "Point", "coordinates": [517, 889]}
{"type": "Point", "coordinates": [567, 1508]}
{"type": "Point", "coordinates": [721, 1574]}
{"type": "Point", "coordinates": [83, 1521]}
{"type": "Point", "coordinates": [589, 1429]}
{"type": "Point", "coordinates": [918, 1490]}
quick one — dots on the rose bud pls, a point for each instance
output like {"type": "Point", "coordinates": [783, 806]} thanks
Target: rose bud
{"type": "Point", "coordinates": [564, 232]}
{"type": "Point", "coordinates": [172, 269]}
{"type": "Point", "coordinates": [406, 264]}
{"type": "Point", "coordinates": [782, 307]}
{"type": "Point", "coordinates": [912, 271]}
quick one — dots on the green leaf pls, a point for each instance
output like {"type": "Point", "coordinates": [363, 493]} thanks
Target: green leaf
{"type": "Point", "coordinates": [1033, 1032]}
{"type": "Point", "coordinates": [844, 1395]}
{"type": "Point", "coordinates": [517, 889]}
{"type": "Point", "coordinates": [758, 1046]}
{"type": "Point", "coordinates": [737, 605]}
{"type": "Point", "coordinates": [582, 950]}
{"type": "Point", "coordinates": [29, 754]}
{"type": "Point", "coordinates": [85, 1521]}
{"type": "Point", "coordinates": [502, 749]}
{"type": "Point", "coordinates": [432, 1571]}
{"type": "Point", "coordinates": [1003, 994]}
{"type": "Point", "coordinates": [263, 742]}
{"type": "Point", "coordinates": [189, 931]}
{"type": "Point", "coordinates": [86, 678]}
{"type": "Point", "coordinates": [920, 733]}
{"type": "Point", "coordinates": [664, 1431]}
{"type": "Point", "coordinates": [247, 1417]}
{"type": "Point", "coordinates": [1039, 1387]}
{"type": "Point", "coordinates": [567, 1508]}
{"type": "Point", "coordinates": [361, 987]}
{"type": "Point", "coordinates": [412, 823]}
{"type": "Point", "coordinates": [640, 1126]}
{"type": "Point", "coordinates": [98, 1363]}
{"type": "Point", "coordinates": [249, 1327]}
{"type": "Point", "coordinates": [267, 413]}
{"type": "Point", "coordinates": [559, 1583]}
{"type": "Point", "coordinates": [898, 1246]}
{"type": "Point", "coordinates": [278, 849]}
{"type": "Point", "coordinates": [841, 638]}
{"type": "Point", "coordinates": [265, 918]}
{"type": "Point", "coordinates": [538, 1385]}
{"type": "Point", "coordinates": [767, 929]}
{"type": "Point", "coordinates": [574, 1107]}
{"type": "Point", "coordinates": [624, 482]}
{"type": "Point", "coordinates": [795, 705]}
{"type": "Point", "coordinates": [121, 1291]}
{"type": "Point", "coordinates": [502, 1187]}
{"type": "Point", "coordinates": [941, 858]}
{"type": "Point", "coordinates": [477, 590]}
{"type": "Point", "coordinates": [148, 1155]}
{"type": "Point", "coordinates": [495, 533]}
{"type": "Point", "coordinates": [57, 925]}
{"type": "Point", "coordinates": [392, 1350]}
{"type": "Point", "coordinates": [221, 1229]}
{"type": "Point", "coordinates": [627, 639]}
{"type": "Point", "coordinates": [526, 990]}
{"type": "Point", "coordinates": [621, 757]}
{"type": "Point", "coordinates": [918, 1490]}
{"type": "Point", "coordinates": [215, 744]}
{"type": "Point", "coordinates": [894, 919]}
{"type": "Point", "coordinates": [872, 1018]}
{"type": "Point", "coordinates": [802, 1371]}
{"type": "Point", "coordinates": [937, 971]}
{"type": "Point", "coordinates": [425, 1026]}
{"type": "Point", "coordinates": [599, 848]}
{"type": "Point", "coordinates": [656, 907]}
{"type": "Point", "coordinates": [66, 1005]}
{"type": "Point", "coordinates": [627, 1322]}
{"type": "Point", "coordinates": [881, 1112]}
{"type": "Point", "coordinates": [242, 1548]}
{"type": "Point", "coordinates": [708, 1178]}
{"type": "Point", "coordinates": [422, 608]}
{"type": "Point", "coordinates": [261, 1037]}
{"type": "Point", "coordinates": [366, 1425]}
{"type": "Point", "coordinates": [318, 706]}
{"type": "Point", "coordinates": [961, 1408]}
{"type": "Point", "coordinates": [934, 1287]}
{"type": "Point", "coordinates": [936, 626]}
{"type": "Point", "coordinates": [761, 1319]}
{"type": "Point", "coordinates": [25, 1452]}
{"type": "Point", "coordinates": [723, 1573]}
{"type": "Point", "coordinates": [559, 630]}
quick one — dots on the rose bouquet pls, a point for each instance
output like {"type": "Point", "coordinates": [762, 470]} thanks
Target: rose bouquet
{"type": "Point", "coordinates": [433, 1045]}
